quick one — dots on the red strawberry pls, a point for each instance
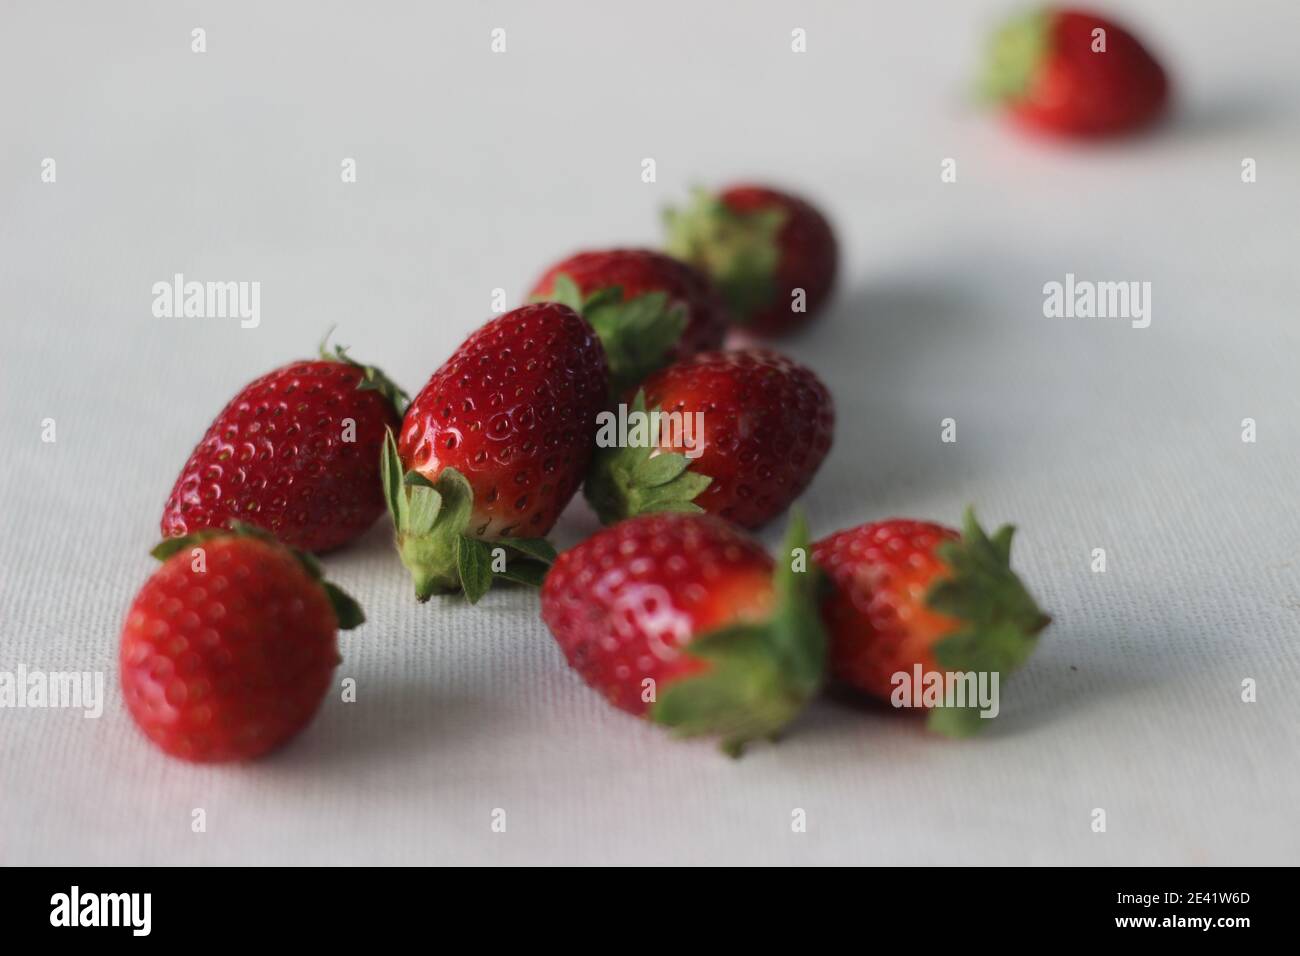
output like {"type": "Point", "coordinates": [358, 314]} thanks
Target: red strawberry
{"type": "Point", "coordinates": [228, 650]}
{"type": "Point", "coordinates": [772, 255]}
{"type": "Point", "coordinates": [294, 452]}
{"type": "Point", "coordinates": [1074, 73]}
{"type": "Point", "coordinates": [682, 618]}
{"type": "Point", "coordinates": [767, 425]}
{"type": "Point", "coordinates": [647, 308]}
{"type": "Point", "coordinates": [909, 593]}
{"type": "Point", "coordinates": [493, 448]}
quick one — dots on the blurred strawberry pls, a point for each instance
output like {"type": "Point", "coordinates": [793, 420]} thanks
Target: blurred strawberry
{"type": "Point", "coordinates": [1074, 73]}
{"type": "Point", "coordinates": [648, 309]}
{"type": "Point", "coordinates": [772, 255]}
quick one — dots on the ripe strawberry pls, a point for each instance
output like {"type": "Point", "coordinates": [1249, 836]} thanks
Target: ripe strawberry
{"type": "Point", "coordinates": [229, 648]}
{"type": "Point", "coordinates": [682, 618]}
{"type": "Point", "coordinates": [1074, 73]}
{"type": "Point", "coordinates": [493, 448]}
{"type": "Point", "coordinates": [907, 593]}
{"type": "Point", "coordinates": [772, 255]}
{"type": "Point", "coordinates": [767, 425]}
{"type": "Point", "coordinates": [648, 309]}
{"type": "Point", "coordinates": [294, 452]}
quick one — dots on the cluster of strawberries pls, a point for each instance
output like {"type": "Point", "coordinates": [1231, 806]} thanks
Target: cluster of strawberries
{"type": "Point", "coordinates": [673, 612]}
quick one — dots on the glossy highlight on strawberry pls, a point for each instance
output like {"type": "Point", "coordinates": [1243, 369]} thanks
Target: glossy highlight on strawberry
{"type": "Point", "coordinates": [494, 446]}
{"type": "Point", "coordinates": [294, 452]}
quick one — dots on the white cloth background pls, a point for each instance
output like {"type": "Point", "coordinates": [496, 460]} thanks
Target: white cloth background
{"type": "Point", "coordinates": [474, 172]}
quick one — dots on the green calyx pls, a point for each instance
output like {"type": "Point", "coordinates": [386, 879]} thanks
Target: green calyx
{"type": "Point", "coordinates": [760, 675]}
{"type": "Point", "coordinates": [372, 378]}
{"type": "Point", "coordinates": [1015, 53]}
{"type": "Point", "coordinates": [346, 610]}
{"type": "Point", "coordinates": [638, 334]}
{"type": "Point", "coordinates": [431, 521]}
{"type": "Point", "coordinates": [636, 478]}
{"type": "Point", "coordinates": [738, 251]}
{"type": "Point", "coordinates": [1000, 621]}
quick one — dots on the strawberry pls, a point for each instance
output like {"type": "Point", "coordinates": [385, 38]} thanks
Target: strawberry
{"type": "Point", "coordinates": [493, 448]}
{"type": "Point", "coordinates": [909, 593]}
{"type": "Point", "coordinates": [229, 648]}
{"type": "Point", "coordinates": [767, 424]}
{"type": "Point", "coordinates": [772, 255]}
{"type": "Point", "coordinates": [681, 618]}
{"type": "Point", "coordinates": [647, 308]}
{"type": "Point", "coordinates": [1073, 73]}
{"type": "Point", "coordinates": [294, 452]}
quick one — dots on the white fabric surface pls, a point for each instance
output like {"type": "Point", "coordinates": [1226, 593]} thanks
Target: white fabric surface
{"type": "Point", "coordinates": [475, 171]}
